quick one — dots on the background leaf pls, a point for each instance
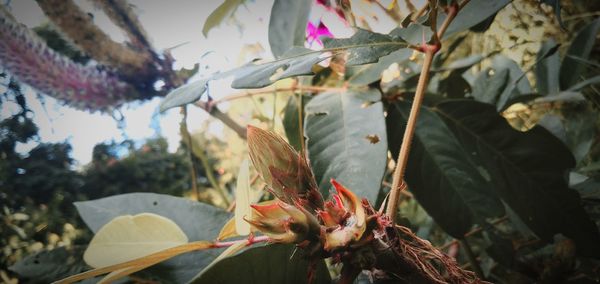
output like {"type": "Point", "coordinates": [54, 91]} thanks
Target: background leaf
{"type": "Point", "coordinates": [277, 264]}
{"type": "Point", "coordinates": [440, 173]}
{"type": "Point", "coordinates": [242, 199]}
{"type": "Point", "coordinates": [365, 46]}
{"type": "Point", "coordinates": [184, 95]}
{"type": "Point", "coordinates": [527, 169]}
{"type": "Point", "coordinates": [472, 14]}
{"type": "Point", "coordinates": [287, 25]}
{"type": "Point", "coordinates": [291, 121]}
{"type": "Point", "coordinates": [222, 12]}
{"type": "Point", "coordinates": [547, 68]}
{"type": "Point", "coordinates": [373, 72]}
{"type": "Point", "coordinates": [48, 266]}
{"type": "Point", "coordinates": [346, 140]}
{"type": "Point", "coordinates": [197, 220]}
{"type": "Point", "coordinates": [581, 47]}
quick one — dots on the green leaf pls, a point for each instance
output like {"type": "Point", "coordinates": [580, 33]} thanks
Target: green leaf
{"type": "Point", "coordinates": [365, 46]}
{"type": "Point", "coordinates": [373, 72]}
{"type": "Point", "coordinates": [287, 25]}
{"type": "Point", "coordinates": [295, 62]}
{"type": "Point", "coordinates": [581, 47]}
{"type": "Point", "coordinates": [440, 173]}
{"type": "Point", "coordinates": [527, 169]}
{"type": "Point", "coordinates": [272, 264]}
{"type": "Point", "coordinates": [488, 86]}
{"type": "Point", "coordinates": [581, 130]}
{"type": "Point", "coordinates": [501, 92]}
{"type": "Point", "coordinates": [184, 95]}
{"type": "Point", "coordinates": [472, 14]}
{"type": "Point", "coordinates": [346, 140]}
{"type": "Point", "coordinates": [50, 265]}
{"type": "Point", "coordinates": [197, 220]}
{"type": "Point", "coordinates": [222, 12]}
{"type": "Point", "coordinates": [414, 34]}
{"type": "Point", "coordinates": [291, 121]}
{"type": "Point", "coordinates": [547, 68]}
{"type": "Point", "coordinates": [589, 81]}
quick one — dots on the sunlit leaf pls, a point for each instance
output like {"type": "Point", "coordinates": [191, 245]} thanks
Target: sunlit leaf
{"type": "Point", "coordinates": [197, 220]}
{"type": "Point", "coordinates": [242, 199]}
{"type": "Point", "coordinates": [339, 128]}
{"type": "Point", "coordinates": [130, 237]}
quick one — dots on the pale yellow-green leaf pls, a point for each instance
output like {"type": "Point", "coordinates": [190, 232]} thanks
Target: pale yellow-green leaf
{"type": "Point", "coordinates": [228, 230]}
{"type": "Point", "coordinates": [242, 200]}
{"type": "Point", "coordinates": [129, 237]}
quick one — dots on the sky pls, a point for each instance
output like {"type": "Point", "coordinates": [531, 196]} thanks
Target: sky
{"type": "Point", "coordinates": [179, 22]}
{"type": "Point", "coordinates": [168, 25]}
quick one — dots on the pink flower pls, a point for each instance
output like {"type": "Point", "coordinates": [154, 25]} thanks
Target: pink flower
{"type": "Point", "coordinates": [313, 33]}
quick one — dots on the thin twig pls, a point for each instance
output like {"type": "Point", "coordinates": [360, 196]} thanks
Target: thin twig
{"type": "Point", "coordinates": [193, 169]}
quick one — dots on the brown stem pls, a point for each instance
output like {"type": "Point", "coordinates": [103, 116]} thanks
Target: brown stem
{"type": "Point", "coordinates": [398, 177]}
{"type": "Point", "coordinates": [430, 50]}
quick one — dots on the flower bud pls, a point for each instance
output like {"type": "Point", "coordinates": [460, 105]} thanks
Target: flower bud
{"type": "Point", "coordinates": [283, 222]}
{"type": "Point", "coordinates": [284, 170]}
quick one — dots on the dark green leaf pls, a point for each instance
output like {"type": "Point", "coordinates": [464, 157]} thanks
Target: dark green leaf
{"type": "Point", "coordinates": [287, 25]}
{"type": "Point", "coordinates": [272, 264]}
{"type": "Point", "coordinates": [365, 46]}
{"type": "Point", "coordinates": [50, 266]}
{"type": "Point", "coordinates": [184, 95]}
{"type": "Point", "coordinates": [441, 174]}
{"type": "Point", "coordinates": [197, 220]}
{"type": "Point", "coordinates": [527, 170]}
{"type": "Point", "coordinates": [346, 140]}
{"type": "Point", "coordinates": [472, 14]}
{"type": "Point", "coordinates": [547, 68]}
{"type": "Point", "coordinates": [291, 121]}
{"type": "Point", "coordinates": [581, 47]}
{"type": "Point", "coordinates": [372, 73]}
{"type": "Point", "coordinates": [222, 12]}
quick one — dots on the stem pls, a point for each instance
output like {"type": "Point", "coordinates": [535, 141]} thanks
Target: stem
{"type": "Point", "coordinates": [209, 173]}
{"type": "Point", "coordinates": [430, 50]}
{"type": "Point", "coordinates": [223, 117]}
{"type": "Point", "coordinates": [472, 259]}
{"type": "Point", "coordinates": [250, 241]}
{"type": "Point", "coordinates": [193, 169]}
{"type": "Point", "coordinates": [398, 178]}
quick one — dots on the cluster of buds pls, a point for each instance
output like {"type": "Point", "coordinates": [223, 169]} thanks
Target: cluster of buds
{"type": "Point", "coordinates": [299, 214]}
{"type": "Point", "coordinates": [345, 228]}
